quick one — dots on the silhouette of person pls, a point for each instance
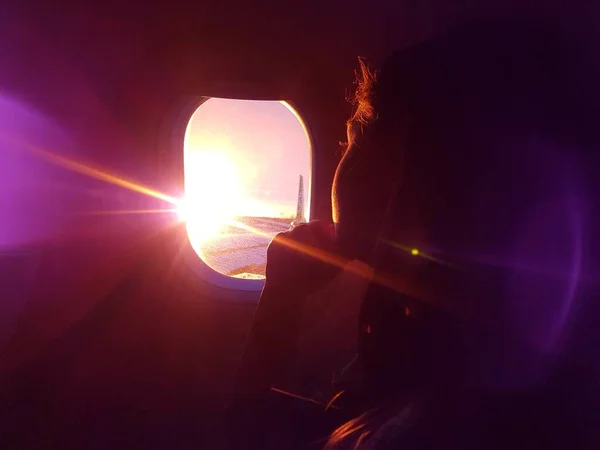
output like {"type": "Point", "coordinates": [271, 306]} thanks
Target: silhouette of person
{"type": "Point", "coordinates": [462, 188]}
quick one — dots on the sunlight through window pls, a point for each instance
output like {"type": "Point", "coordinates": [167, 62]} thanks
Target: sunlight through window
{"type": "Point", "coordinates": [247, 178]}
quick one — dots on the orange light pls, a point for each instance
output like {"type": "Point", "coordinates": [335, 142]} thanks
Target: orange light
{"type": "Point", "coordinates": [84, 169]}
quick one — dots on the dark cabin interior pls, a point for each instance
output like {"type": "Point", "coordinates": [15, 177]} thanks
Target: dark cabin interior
{"type": "Point", "coordinates": [112, 340]}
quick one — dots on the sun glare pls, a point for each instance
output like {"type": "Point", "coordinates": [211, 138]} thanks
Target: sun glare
{"type": "Point", "coordinates": [213, 193]}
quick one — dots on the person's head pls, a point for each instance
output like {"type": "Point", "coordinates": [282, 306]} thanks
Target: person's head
{"type": "Point", "coordinates": [462, 154]}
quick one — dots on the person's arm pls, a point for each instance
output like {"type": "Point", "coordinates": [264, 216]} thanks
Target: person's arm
{"type": "Point", "coordinates": [266, 358]}
{"type": "Point", "coordinates": [271, 339]}
{"type": "Point", "coordinates": [291, 276]}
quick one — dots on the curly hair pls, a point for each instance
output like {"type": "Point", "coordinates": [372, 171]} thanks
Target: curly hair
{"type": "Point", "coordinates": [362, 99]}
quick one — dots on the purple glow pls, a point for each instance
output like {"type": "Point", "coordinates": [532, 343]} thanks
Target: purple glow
{"type": "Point", "coordinates": [546, 272]}
{"type": "Point", "coordinates": [29, 211]}
{"type": "Point", "coordinates": [548, 252]}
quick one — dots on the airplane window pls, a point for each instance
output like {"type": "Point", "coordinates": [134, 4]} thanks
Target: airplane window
{"type": "Point", "coordinates": [247, 168]}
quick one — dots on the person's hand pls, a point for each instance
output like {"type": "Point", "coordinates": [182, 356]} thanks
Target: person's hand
{"type": "Point", "coordinates": [303, 259]}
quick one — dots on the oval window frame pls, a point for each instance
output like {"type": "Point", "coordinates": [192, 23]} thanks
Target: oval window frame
{"type": "Point", "coordinates": [190, 256]}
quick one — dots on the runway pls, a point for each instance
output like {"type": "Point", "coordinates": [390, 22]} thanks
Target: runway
{"type": "Point", "coordinates": [240, 253]}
